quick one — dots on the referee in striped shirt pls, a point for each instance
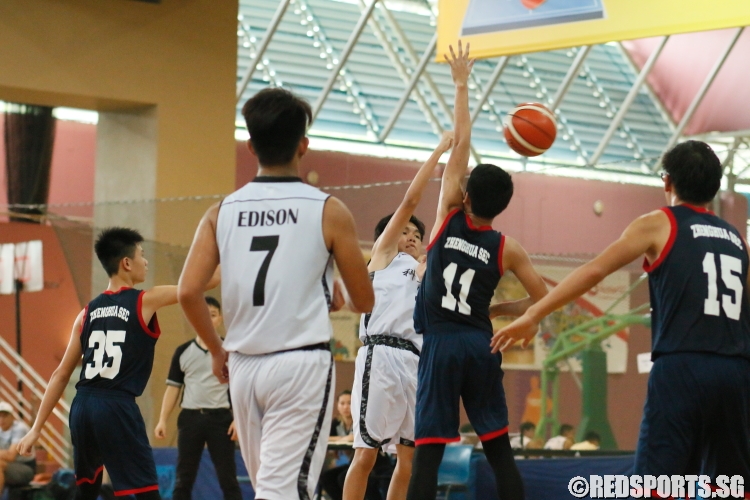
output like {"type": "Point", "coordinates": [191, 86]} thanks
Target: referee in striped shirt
{"type": "Point", "coordinates": [205, 419]}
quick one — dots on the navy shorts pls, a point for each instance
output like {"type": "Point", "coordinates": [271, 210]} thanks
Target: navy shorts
{"type": "Point", "coordinates": [697, 416]}
{"type": "Point", "coordinates": [455, 366]}
{"type": "Point", "coordinates": [107, 429]}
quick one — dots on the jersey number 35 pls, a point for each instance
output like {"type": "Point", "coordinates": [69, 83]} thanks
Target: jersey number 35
{"type": "Point", "coordinates": [105, 342]}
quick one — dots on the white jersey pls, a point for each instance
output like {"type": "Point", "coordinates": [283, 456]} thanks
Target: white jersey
{"type": "Point", "coordinates": [395, 297]}
{"type": "Point", "coordinates": [276, 272]}
{"type": "Point", "coordinates": [555, 443]}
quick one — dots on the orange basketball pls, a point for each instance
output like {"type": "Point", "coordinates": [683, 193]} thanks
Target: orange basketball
{"type": "Point", "coordinates": [530, 129]}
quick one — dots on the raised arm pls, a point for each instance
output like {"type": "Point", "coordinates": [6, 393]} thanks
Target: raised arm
{"type": "Point", "coordinates": [166, 295]}
{"type": "Point", "coordinates": [200, 266]}
{"type": "Point", "coordinates": [386, 247]}
{"type": "Point", "coordinates": [516, 259]}
{"type": "Point", "coordinates": [646, 235]}
{"type": "Point", "coordinates": [57, 384]}
{"type": "Point", "coordinates": [340, 236]}
{"type": "Point", "coordinates": [451, 194]}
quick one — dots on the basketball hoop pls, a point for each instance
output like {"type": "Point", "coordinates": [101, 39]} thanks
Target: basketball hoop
{"type": "Point", "coordinates": [28, 269]}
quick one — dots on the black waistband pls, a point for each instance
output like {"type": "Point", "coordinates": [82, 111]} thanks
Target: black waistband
{"type": "Point", "coordinates": [207, 410]}
{"type": "Point", "coordinates": [323, 346]}
{"type": "Point", "coordinates": [391, 341]}
{"type": "Point", "coordinates": [100, 392]}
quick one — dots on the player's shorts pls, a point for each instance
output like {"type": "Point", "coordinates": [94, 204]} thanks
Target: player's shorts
{"type": "Point", "coordinates": [282, 411]}
{"type": "Point", "coordinates": [385, 393]}
{"type": "Point", "coordinates": [697, 412]}
{"type": "Point", "coordinates": [457, 366]}
{"type": "Point", "coordinates": [107, 429]}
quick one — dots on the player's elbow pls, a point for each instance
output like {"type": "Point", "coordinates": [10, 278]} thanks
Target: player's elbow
{"type": "Point", "coordinates": [62, 374]}
{"type": "Point", "coordinates": [187, 292]}
{"type": "Point", "coordinates": [595, 273]}
{"type": "Point", "coordinates": [540, 292]}
{"type": "Point", "coordinates": [462, 141]}
{"type": "Point", "coordinates": [364, 301]}
{"type": "Point", "coordinates": [411, 201]}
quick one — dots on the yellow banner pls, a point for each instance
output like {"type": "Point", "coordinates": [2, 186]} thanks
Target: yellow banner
{"type": "Point", "coordinates": [506, 27]}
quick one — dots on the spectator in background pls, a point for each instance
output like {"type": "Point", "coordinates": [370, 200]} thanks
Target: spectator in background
{"type": "Point", "coordinates": [15, 469]}
{"type": "Point", "coordinates": [206, 416]}
{"type": "Point", "coordinates": [563, 441]}
{"type": "Point", "coordinates": [341, 427]}
{"type": "Point", "coordinates": [526, 440]}
{"type": "Point", "coordinates": [591, 442]}
{"type": "Point", "coordinates": [332, 480]}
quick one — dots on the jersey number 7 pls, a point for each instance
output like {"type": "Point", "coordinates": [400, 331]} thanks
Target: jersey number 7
{"type": "Point", "coordinates": [263, 244]}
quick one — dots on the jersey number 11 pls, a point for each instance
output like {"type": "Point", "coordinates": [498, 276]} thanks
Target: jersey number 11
{"type": "Point", "coordinates": [449, 301]}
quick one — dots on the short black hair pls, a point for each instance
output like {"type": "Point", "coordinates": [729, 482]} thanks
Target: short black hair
{"type": "Point", "coordinates": [380, 226]}
{"type": "Point", "coordinates": [276, 120]}
{"type": "Point", "coordinates": [490, 189]}
{"type": "Point", "coordinates": [694, 170]}
{"type": "Point", "coordinates": [592, 436]}
{"type": "Point", "coordinates": [114, 244]}
{"type": "Point", "coordinates": [344, 393]}
{"type": "Point", "coordinates": [528, 426]}
{"type": "Point", "coordinates": [212, 302]}
{"type": "Point", "coordinates": [565, 428]}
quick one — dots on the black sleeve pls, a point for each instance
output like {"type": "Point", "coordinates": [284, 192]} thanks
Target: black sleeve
{"type": "Point", "coordinates": [176, 376]}
{"type": "Point", "coordinates": [334, 427]}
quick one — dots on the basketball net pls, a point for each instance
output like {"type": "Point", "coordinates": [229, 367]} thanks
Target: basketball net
{"type": "Point", "coordinates": [22, 262]}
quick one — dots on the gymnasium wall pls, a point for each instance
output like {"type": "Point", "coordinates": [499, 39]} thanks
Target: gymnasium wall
{"type": "Point", "coordinates": [162, 77]}
{"type": "Point", "coordinates": [72, 171]}
{"type": "Point", "coordinates": [549, 215]}
{"type": "Point", "coordinates": [174, 59]}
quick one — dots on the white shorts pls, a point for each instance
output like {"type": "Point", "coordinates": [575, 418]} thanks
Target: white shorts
{"type": "Point", "coordinates": [384, 396]}
{"type": "Point", "coordinates": [282, 410]}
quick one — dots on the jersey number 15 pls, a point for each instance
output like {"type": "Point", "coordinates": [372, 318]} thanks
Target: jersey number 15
{"type": "Point", "coordinates": [729, 266]}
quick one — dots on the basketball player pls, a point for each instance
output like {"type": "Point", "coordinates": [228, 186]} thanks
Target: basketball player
{"type": "Point", "coordinates": [697, 413]}
{"type": "Point", "coordinates": [465, 260]}
{"type": "Point", "coordinates": [275, 237]}
{"type": "Point", "coordinates": [116, 334]}
{"type": "Point", "coordinates": [385, 380]}
{"type": "Point", "coordinates": [206, 419]}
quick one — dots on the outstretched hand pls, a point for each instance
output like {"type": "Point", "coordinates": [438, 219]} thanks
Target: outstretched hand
{"type": "Point", "coordinates": [27, 442]}
{"type": "Point", "coordinates": [523, 329]}
{"type": "Point", "coordinates": [446, 141]}
{"type": "Point", "coordinates": [460, 64]}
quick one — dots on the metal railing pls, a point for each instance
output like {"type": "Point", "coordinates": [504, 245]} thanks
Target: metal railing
{"type": "Point", "coordinates": [19, 383]}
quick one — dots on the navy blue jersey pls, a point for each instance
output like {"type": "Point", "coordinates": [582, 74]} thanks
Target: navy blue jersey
{"type": "Point", "coordinates": [117, 344]}
{"type": "Point", "coordinates": [697, 287]}
{"type": "Point", "coordinates": [463, 268]}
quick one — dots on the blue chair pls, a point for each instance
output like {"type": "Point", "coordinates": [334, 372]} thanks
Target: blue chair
{"type": "Point", "coordinates": [453, 474]}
